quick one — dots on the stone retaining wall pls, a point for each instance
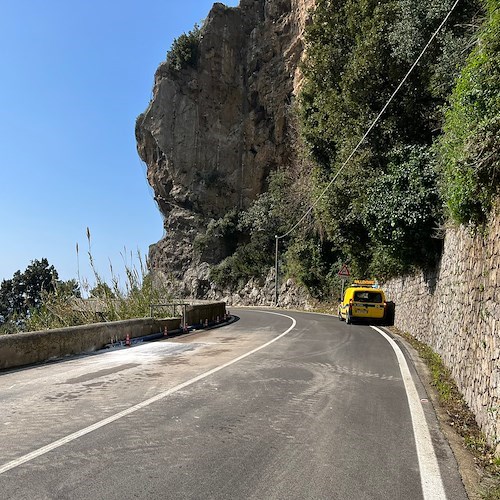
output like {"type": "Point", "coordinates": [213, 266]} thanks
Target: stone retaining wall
{"type": "Point", "coordinates": [456, 311]}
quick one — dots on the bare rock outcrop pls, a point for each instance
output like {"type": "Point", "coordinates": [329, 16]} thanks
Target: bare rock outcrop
{"type": "Point", "coordinates": [213, 132]}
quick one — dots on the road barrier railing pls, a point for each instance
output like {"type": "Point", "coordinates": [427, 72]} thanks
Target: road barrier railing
{"type": "Point", "coordinates": [21, 349]}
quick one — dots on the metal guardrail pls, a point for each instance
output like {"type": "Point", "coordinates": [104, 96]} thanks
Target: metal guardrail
{"type": "Point", "coordinates": [168, 310]}
{"type": "Point", "coordinates": [190, 313]}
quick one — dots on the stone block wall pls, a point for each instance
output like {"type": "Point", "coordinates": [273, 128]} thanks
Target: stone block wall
{"type": "Point", "coordinates": [456, 310]}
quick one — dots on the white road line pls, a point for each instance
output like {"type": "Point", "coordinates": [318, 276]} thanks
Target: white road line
{"type": "Point", "coordinates": [113, 418]}
{"type": "Point", "coordinates": [430, 476]}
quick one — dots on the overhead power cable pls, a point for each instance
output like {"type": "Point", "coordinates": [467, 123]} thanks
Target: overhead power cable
{"type": "Point", "coordinates": [319, 198]}
{"type": "Point", "coordinates": [334, 178]}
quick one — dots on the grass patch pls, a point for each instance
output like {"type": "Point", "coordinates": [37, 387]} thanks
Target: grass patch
{"type": "Point", "coordinates": [460, 418]}
{"type": "Point", "coordinates": [62, 305]}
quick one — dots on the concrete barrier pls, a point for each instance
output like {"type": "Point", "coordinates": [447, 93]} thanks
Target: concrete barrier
{"type": "Point", "coordinates": [199, 313]}
{"type": "Point", "coordinates": [22, 349]}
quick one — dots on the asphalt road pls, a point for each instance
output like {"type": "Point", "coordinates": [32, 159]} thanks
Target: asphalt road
{"type": "Point", "coordinates": [277, 405]}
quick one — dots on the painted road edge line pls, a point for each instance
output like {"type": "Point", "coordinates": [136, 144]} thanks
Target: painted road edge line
{"type": "Point", "coordinates": [430, 475]}
{"type": "Point", "coordinates": [113, 418]}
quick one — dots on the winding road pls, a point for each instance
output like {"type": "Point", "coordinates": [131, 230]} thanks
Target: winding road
{"type": "Point", "coordinates": [276, 405]}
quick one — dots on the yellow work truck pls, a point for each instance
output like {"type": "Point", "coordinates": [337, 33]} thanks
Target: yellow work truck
{"type": "Point", "coordinates": [364, 301]}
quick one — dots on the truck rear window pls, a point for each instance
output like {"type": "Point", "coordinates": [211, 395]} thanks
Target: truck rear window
{"type": "Point", "coordinates": [375, 297]}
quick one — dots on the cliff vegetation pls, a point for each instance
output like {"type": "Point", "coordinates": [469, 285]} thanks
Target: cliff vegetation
{"type": "Point", "coordinates": [431, 159]}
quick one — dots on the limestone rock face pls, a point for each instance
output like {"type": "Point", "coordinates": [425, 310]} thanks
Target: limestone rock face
{"type": "Point", "coordinates": [213, 132]}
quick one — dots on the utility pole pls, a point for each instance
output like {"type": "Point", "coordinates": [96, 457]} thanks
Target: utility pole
{"type": "Point", "coordinates": [276, 284]}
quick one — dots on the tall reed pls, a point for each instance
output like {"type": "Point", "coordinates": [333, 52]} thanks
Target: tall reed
{"type": "Point", "coordinates": [102, 301]}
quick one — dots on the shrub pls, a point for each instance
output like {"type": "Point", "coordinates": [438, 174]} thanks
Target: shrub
{"type": "Point", "coordinates": [313, 264]}
{"type": "Point", "coordinates": [402, 211]}
{"type": "Point", "coordinates": [469, 148]}
{"type": "Point", "coordinates": [184, 51]}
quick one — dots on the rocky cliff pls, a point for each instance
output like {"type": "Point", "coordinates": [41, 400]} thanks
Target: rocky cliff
{"type": "Point", "coordinates": [214, 130]}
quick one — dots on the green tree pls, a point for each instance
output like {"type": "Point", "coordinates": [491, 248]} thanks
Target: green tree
{"type": "Point", "coordinates": [403, 208]}
{"type": "Point", "coordinates": [470, 146]}
{"type": "Point", "coordinates": [357, 53]}
{"type": "Point", "coordinates": [38, 277]}
{"type": "Point", "coordinates": [69, 288]}
{"type": "Point", "coordinates": [255, 230]}
{"type": "Point", "coordinates": [23, 295]}
{"type": "Point", "coordinates": [313, 262]}
{"type": "Point", "coordinates": [10, 302]}
{"type": "Point", "coordinates": [24, 291]}
{"type": "Point", "coordinates": [102, 291]}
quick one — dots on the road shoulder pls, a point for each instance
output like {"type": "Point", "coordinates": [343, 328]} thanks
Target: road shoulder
{"type": "Point", "coordinates": [469, 472]}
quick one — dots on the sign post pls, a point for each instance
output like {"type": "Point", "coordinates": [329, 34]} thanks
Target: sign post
{"type": "Point", "coordinates": [343, 274]}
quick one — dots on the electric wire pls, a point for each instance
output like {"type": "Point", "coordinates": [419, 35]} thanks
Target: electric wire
{"type": "Point", "coordinates": [322, 194]}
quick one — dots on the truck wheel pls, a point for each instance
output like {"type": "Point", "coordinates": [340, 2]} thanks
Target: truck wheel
{"type": "Point", "coordinates": [390, 314]}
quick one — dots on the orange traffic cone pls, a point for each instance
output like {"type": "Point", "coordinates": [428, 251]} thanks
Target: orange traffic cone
{"type": "Point", "coordinates": [127, 340]}
{"type": "Point", "coordinates": [165, 332]}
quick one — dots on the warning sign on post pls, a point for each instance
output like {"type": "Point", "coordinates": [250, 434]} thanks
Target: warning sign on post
{"type": "Point", "coordinates": [344, 271]}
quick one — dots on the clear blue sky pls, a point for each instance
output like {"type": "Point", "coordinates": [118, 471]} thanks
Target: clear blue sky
{"type": "Point", "coordinates": [74, 77]}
